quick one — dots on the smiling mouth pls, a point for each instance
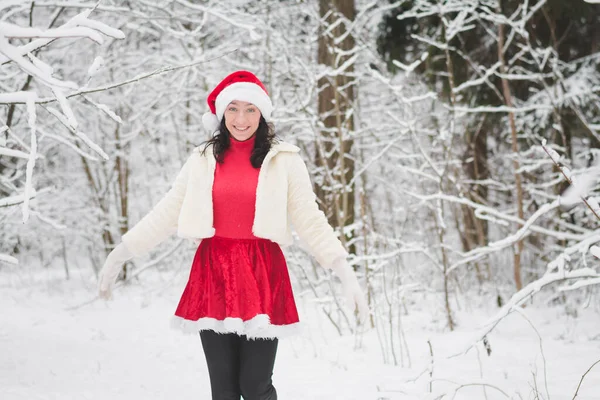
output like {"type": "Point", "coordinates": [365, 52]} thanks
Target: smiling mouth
{"type": "Point", "coordinates": [241, 129]}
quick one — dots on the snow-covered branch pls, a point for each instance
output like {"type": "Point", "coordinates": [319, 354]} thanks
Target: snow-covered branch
{"type": "Point", "coordinates": [522, 296]}
{"type": "Point", "coordinates": [79, 26]}
{"type": "Point", "coordinates": [86, 28]}
{"type": "Point", "coordinates": [5, 258]}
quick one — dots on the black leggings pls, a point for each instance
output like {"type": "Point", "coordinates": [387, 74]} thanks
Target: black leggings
{"type": "Point", "coordinates": [239, 366]}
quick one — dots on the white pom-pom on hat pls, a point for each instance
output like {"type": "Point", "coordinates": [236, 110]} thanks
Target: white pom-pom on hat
{"type": "Point", "coordinates": [210, 122]}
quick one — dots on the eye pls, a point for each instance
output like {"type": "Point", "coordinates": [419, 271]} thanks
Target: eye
{"type": "Point", "coordinates": [251, 110]}
{"type": "Point", "coordinates": [232, 109]}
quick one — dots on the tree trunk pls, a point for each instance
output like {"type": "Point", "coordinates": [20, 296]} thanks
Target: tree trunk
{"type": "Point", "coordinates": [439, 213]}
{"type": "Point", "coordinates": [336, 97]}
{"type": "Point", "coordinates": [476, 169]}
{"type": "Point", "coordinates": [122, 169]}
{"type": "Point", "coordinates": [515, 153]}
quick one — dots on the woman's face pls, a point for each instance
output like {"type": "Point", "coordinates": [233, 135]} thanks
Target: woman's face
{"type": "Point", "coordinates": [241, 119]}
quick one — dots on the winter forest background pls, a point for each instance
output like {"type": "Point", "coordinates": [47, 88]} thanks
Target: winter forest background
{"type": "Point", "coordinates": [452, 144]}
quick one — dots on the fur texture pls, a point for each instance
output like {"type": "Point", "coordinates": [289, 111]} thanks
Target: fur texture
{"type": "Point", "coordinates": [284, 197]}
{"type": "Point", "coordinates": [257, 327]}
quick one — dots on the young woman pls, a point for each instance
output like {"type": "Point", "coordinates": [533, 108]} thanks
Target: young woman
{"type": "Point", "coordinates": [238, 195]}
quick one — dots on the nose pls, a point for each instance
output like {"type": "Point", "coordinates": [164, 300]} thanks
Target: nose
{"type": "Point", "coordinates": [240, 116]}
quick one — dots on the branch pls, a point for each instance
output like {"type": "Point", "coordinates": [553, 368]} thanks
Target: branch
{"type": "Point", "coordinates": [16, 200]}
{"type": "Point", "coordinates": [464, 385]}
{"type": "Point", "coordinates": [523, 295]}
{"type": "Point", "coordinates": [555, 159]}
{"type": "Point", "coordinates": [29, 68]}
{"type": "Point", "coordinates": [4, 151]}
{"type": "Point", "coordinates": [162, 70]}
{"type": "Point", "coordinates": [151, 263]}
{"type": "Point", "coordinates": [586, 372]}
{"type": "Point", "coordinates": [491, 211]}
{"type": "Point", "coordinates": [80, 19]}
{"type": "Point", "coordinates": [8, 259]}
{"type": "Point", "coordinates": [522, 313]}
{"type": "Point", "coordinates": [15, 31]}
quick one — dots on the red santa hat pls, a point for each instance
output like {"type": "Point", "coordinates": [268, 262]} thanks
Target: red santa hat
{"type": "Point", "coordinates": [240, 85]}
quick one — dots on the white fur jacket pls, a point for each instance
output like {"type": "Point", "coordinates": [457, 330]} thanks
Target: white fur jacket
{"type": "Point", "coordinates": [284, 195]}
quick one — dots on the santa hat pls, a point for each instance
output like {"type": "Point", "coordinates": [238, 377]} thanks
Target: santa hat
{"type": "Point", "coordinates": [240, 85]}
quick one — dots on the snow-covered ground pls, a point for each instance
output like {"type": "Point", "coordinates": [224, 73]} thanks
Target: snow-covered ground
{"type": "Point", "coordinates": [55, 346]}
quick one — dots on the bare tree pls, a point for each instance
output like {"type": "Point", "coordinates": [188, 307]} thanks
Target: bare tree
{"type": "Point", "coordinates": [337, 54]}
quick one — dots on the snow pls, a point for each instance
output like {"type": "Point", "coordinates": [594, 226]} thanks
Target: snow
{"type": "Point", "coordinates": [594, 204]}
{"type": "Point", "coordinates": [40, 64]}
{"type": "Point", "coordinates": [66, 109]}
{"type": "Point", "coordinates": [13, 153]}
{"type": "Point", "coordinates": [12, 200]}
{"type": "Point", "coordinates": [511, 239]}
{"type": "Point", "coordinates": [42, 74]}
{"type": "Point", "coordinates": [17, 97]}
{"type": "Point", "coordinates": [79, 19]}
{"type": "Point", "coordinates": [8, 259]}
{"type": "Point", "coordinates": [29, 190]}
{"type": "Point", "coordinates": [78, 133]}
{"type": "Point", "coordinates": [408, 69]}
{"type": "Point", "coordinates": [595, 250]}
{"type": "Point", "coordinates": [15, 31]}
{"type": "Point", "coordinates": [106, 110]}
{"type": "Point", "coordinates": [57, 345]}
{"type": "Point", "coordinates": [58, 342]}
{"type": "Point", "coordinates": [96, 65]}
{"type": "Point", "coordinates": [580, 186]}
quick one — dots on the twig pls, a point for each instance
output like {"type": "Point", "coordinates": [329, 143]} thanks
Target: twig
{"type": "Point", "coordinates": [569, 180]}
{"type": "Point", "coordinates": [138, 78]}
{"type": "Point", "coordinates": [20, 198]}
{"type": "Point", "coordinates": [152, 263]}
{"type": "Point", "coordinates": [583, 376]}
{"type": "Point", "coordinates": [522, 313]}
{"type": "Point", "coordinates": [523, 295]}
{"type": "Point", "coordinates": [481, 371]}
{"type": "Point", "coordinates": [464, 385]}
{"type": "Point", "coordinates": [430, 369]}
{"type": "Point", "coordinates": [479, 384]}
{"type": "Point", "coordinates": [536, 392]}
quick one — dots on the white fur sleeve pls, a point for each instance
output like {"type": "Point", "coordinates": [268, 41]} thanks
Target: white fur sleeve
{"type": "Point", "coordinates": [161, 221]}
{"type": "Point", "coordinates": [308, 220]}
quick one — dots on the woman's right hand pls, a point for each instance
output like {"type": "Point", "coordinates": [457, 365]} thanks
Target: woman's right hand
{"type": "Point", "coordinates": [111, 268]}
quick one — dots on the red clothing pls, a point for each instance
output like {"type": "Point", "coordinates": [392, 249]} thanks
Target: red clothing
{"type": "Point", "coordinates": [234, 192]}
{"type": "Point", "coordinates": [241, 286]}
{"type": "Point", "coordinates": [238, 282]}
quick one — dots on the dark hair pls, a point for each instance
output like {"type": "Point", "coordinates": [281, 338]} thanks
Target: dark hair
{"type": "Point", "coordinates": [265, 138]}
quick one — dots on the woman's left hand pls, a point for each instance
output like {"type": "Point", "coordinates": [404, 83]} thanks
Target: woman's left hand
{"type": "Point", "coordinates": [351, 288]}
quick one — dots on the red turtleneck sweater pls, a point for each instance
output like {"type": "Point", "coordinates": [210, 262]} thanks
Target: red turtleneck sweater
{"type": "Point", "coordinates": [234, 191]}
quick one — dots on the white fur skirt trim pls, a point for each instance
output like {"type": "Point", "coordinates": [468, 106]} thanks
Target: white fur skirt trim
{"type": "Point", "coordinates": [258, 327]}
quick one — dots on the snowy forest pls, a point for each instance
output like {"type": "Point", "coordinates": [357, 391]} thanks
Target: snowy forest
{"type": "Point", "coordinates": [452, 144]}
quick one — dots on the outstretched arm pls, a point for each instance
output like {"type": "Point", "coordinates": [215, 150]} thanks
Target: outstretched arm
{"type": "Point", "coordinates": [161, 221]}
{"type": "Point", "coordinates": [156, 226]}
{"type": "Point", "coordinates": [313, 229]}
{"type": "Point", "coordinates": [309, 221]}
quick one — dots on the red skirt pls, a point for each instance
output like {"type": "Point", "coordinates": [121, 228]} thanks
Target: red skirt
{"type": "Point", "coordinates": [240, 286]}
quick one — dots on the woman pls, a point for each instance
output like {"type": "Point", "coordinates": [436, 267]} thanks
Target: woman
{"type": "Point", "coordinates": [238, 195]}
